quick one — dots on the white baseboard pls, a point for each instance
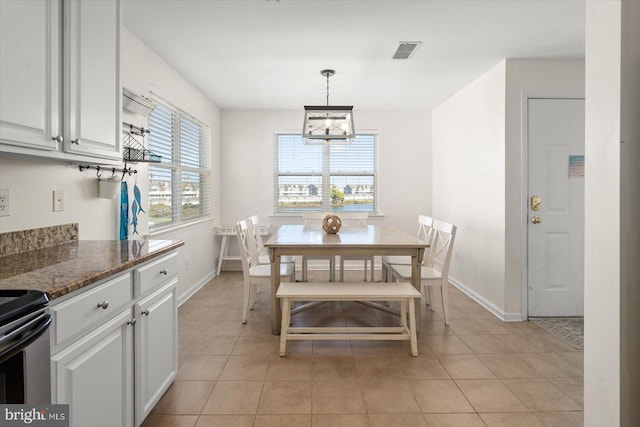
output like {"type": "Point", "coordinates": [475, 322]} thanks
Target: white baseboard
{"type": "Point", "coordinates": [195, 288]}
{"type": "Point", "coordinates": [505, 317]}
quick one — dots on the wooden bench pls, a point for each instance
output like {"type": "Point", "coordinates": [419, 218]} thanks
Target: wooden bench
{"type": "Point", "coordinates": [350, 291]}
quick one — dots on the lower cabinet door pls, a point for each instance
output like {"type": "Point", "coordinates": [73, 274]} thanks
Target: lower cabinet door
{"type": "Point", "coordinates": [156, 347]}
{"type": "Point", "coordinates": [95, 376]}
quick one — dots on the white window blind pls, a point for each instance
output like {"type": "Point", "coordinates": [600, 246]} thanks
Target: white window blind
{"type": "Point", "coordinates": [339, 177]}
{"type": "Point", "coordinates": [179, 186]}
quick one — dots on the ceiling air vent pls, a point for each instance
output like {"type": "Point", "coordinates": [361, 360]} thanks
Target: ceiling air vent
{"type": "Point", "coordinates": [405, 50]}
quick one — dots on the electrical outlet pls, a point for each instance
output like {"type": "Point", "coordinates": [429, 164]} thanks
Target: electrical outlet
{"type": "Point", "coordinates": [5, 203]}
{"type": "Point", "coordinates": [58, 200]}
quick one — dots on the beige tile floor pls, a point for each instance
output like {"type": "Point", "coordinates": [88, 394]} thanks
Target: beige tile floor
{"type": "Point", "coordinates": [479, 371]}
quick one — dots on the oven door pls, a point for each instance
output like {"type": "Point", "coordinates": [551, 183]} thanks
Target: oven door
{"type": "Point", "coordinates": [25, 375]}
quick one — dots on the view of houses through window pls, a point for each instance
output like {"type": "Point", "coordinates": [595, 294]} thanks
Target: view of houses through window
{"type": "Point", "coordinates": [330, 177]}
{"type": "Point", "coordinates": [179, 186]}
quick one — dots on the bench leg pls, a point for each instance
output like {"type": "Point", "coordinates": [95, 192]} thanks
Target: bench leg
{"type": "Point", "coordinates": [332, 269]}
{"type": "Point", "coordinates": [403, 313]}
{"type": "Point", "coordinates": [412, 326]}
{"type": "Point", "coordinates": [284, 328]}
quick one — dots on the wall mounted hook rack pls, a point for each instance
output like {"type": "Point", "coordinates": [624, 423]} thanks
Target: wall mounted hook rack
{"type": "Point", "coordinates": [124, 170]}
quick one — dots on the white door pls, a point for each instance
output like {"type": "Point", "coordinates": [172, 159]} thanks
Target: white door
{"type": "Point", "coordinates": [556, 226]}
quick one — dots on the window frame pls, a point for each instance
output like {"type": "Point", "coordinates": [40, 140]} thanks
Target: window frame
{"type": "Point", "coordinates": [326, 174]}
{"type": "Point", "coordinates": [178, 167]}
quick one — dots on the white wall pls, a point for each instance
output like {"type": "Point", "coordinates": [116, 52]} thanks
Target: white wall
{"type": "Point", "coordinates": [478, 174]}
{"type": "Point", "coordinates": [612, 295]}
{"type": "Point", "coordinates": [538, 77]}
{"type": "Point", "coordinates": [32, 182]}
{"type": "Point", "coordinates": [248, 150]}
{"type": "Point", "coordinates": [602, 219]}
{"type": "Point", "coordinates": [469, 181]}
{"type": "Point", "coordinates": [144, 71]}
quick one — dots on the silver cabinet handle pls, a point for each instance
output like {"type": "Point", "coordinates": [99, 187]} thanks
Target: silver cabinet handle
{"type": "Point", "coordinates": [165, 272]}
{"type": "Point", "coordinates": [103, 305]}
{"type": "Point", "coordinates": [132, 322]}
{"type": "Point", "coordinates": [146, 312]}
{"type": "Point", "coordinates": [58, 138]}
{"type": "Point", "coordinates": [75, 141]}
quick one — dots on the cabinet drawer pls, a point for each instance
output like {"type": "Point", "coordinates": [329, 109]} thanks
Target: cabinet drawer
{"type": "Point", "coordinates": [155, 273]}
{"type": "Point", "coordinates": [80, 312]}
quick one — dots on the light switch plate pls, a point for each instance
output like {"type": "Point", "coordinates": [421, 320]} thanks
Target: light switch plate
{"type": "Point", "coordinates": [5, 203]}
{"type": "Point", "coordinates": [58, 200]}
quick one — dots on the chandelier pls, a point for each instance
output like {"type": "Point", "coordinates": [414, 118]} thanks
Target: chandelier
{"type": "Point", "coordinates": [330, 124]}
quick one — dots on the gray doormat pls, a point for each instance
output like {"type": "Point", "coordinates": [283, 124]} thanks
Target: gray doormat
{"type": "Point", "coordinates": [569, 330]}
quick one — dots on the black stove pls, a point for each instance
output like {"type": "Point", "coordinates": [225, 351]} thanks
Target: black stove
{"type": "Point", "coordinates": [15, 303]}
{"type": "Point", "coordinates": [24, 347]}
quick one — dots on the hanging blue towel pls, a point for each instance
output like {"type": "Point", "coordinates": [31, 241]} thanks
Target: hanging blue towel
{"type": "Point", "coordinates": [124, 211]}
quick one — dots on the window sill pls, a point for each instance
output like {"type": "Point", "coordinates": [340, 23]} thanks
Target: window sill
{"type": "Point", "coordinates": [173, 228]}
{"type": "Point", "coordinates": [299, 215]}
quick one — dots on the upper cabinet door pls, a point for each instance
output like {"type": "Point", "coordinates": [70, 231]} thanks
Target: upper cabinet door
{"type": "Point", "coordinates": [30, 83]}
{"type": "Point", "coordinates": [93, 92]}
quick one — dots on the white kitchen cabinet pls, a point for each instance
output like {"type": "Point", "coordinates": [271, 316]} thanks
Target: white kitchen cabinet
{"type": "Point", "coordinates": [60, 79]}
{"type": "Point", "coordinates": [115, 345]}
{"type": "Point", "coordinates": [95, 375]}
{"type": "Point", "coordinates": [30, 77]}
{"type": "Point", "coordinates": [156, 338]}
{"type": "Point", "coordinates": [92, 90]}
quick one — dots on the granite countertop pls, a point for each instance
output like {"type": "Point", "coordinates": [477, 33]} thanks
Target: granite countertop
{"type": "Point", "coordinates": [66, 267]}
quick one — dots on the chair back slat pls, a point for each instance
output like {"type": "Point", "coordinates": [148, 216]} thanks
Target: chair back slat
{"type": "Point", "coordinates": [442, 245]}
{"type": "Point", "coordinates": [426, 234]}
{"type": "Point", "coordinates": [353, 218]}
{"type": "Point", "coordinates": [242, 231]}
{"type": "Point", "coordinates": [254, 228]}
{"type": "Point", "coordinates": [313, 218]}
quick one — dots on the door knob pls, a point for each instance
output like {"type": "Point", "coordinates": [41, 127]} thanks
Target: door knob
{"type": "Point", "coordinates": [536, 219]}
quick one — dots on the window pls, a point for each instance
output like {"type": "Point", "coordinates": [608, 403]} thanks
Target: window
{"type": "Point", "coordinates": [179, 186]}
{"type": "Point", "coordinates": [330, 177]}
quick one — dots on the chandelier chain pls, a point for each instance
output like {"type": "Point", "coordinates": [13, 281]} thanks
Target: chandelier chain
{"type": "Point", "coordinates": [327, 89]}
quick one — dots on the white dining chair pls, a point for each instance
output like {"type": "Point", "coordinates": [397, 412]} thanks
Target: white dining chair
{"type": "Point", "coordinates": [253, 223]}
{"type": "Point", "coordinates": [425, 233]}
{"type": "Point", "coordinates": [436, 275]}
{"type": "Point", "coordinates": [315, 219]}
{"type": "Point", "coordinates": [254, 273]}
{"type": "Point", "coordinates": [356, 219]}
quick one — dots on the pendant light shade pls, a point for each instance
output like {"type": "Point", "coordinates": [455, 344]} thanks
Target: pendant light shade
{"type": "Point", "coordinates": [330, 124]}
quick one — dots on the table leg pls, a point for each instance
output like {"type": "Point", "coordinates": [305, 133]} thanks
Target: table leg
{"type": "Point", "coordinates": [416, 281]}
{"type": "Point", "coordinates": [223, 253]}
{"type": "Point", "coordinates": [276, 312]}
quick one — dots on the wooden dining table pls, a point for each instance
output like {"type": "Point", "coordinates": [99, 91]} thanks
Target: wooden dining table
{"type": "Point", "coordinates": [369, 240]}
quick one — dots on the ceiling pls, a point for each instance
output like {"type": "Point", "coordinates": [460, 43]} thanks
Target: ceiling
{"type": "Point", "coordinates": [267, 54]}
